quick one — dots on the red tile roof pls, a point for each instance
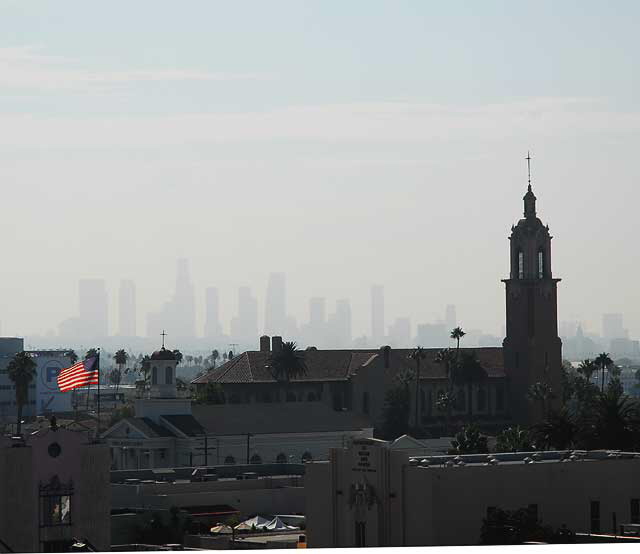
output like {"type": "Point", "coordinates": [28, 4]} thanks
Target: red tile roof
{"type": "Point", "coordinates": [339, 365]}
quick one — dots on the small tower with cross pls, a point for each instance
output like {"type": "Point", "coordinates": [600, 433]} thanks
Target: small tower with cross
{"type": "Point", "coordinates": [163, 372]}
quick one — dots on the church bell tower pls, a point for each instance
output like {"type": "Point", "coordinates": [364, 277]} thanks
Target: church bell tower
{"type": "Point", "coordinates": [532, 347]}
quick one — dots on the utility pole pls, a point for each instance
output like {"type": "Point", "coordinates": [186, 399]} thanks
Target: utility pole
{"type": "Point", "coordinates": [249, 435]}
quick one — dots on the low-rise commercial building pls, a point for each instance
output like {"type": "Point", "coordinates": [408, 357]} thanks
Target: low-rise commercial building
{"type": "Point", "coordinates": [371, 495]}
{"type": "Point", "coordinates": [54, 488]}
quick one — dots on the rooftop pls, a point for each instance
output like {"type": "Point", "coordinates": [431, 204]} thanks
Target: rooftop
{"type": "Point", "coordinates": [339, 365]}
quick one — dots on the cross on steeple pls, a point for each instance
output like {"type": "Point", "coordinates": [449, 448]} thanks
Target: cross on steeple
{"type": "Point", "coordinates": [528, 158]}
{"type": "Point", "coordinates": [163, 334]}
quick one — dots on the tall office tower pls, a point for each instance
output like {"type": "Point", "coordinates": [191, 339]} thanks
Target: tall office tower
{"type": "Point", "coordinates": [212, 327]}
{"type": "Point", "coordinates": [184, 303]}
{"type": "Point", "coordinates": [450, 317]}
{"type": "Point", "coordinates": [275, 316]}
{"type": "Point", "coordinates": [127, 309]}
{"type": "Point", "coordinates": [612, 327]}
{"type": "Point", "coordinates": [317, 312]}
{"type": "Point", "coordinates": [377, 315]}
{"type": "Point", "coordinates": [339, 326]}
{"type": "Point", "coordinates": [432, 335]}
{"type": "Point", "coordinates": [400, 333]}
{"type": "Point", "coordinates": [92, 303]}
{"type": "Point", "coordinates": [244, 327]}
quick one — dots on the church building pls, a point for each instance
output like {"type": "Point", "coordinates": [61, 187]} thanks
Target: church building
{"type": "Point", "coordinates": [357, 380]}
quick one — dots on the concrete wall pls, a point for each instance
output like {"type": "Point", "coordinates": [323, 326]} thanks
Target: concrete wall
{"type": "Point", "coordinates": [437, 505]}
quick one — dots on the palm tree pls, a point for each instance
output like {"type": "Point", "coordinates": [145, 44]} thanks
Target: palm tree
{"type": "Point", "coordinates": [417, 356]}
{"type": "Point", "coordinates": [615, 422]}
{"type": "Point", "coordinates": [178, 356]}
{"type": "Point", "coordinates": [604, 361]}
{"type": "Point", "coordinates": [541, 392]}
{"type": "Point", "coordinates": [288, 363]}
{"type": "Point", "coordinates": [456, 335]}
{"type": "Point", "coordinates": [558, 430]}
{"type": "Point", "coordinates": [21, 370]}
{"type": "Point", "coordinates": [514, 439]}
{"type": "Point", "coordinates": [447, 357]}
{"type": "Point", "coordinates": [73, 357]}
{"type": "Point", "coordinates": [587, 368]}
{"type": "Point", "coordinates": [214, 357]}
{"type": "Point", "coordinates": [120, 358]}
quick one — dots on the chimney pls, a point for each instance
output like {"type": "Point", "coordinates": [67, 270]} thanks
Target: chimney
{"type": "Point", "coordinates": [265, 343]}
{"type": "Point", "coordinates": [386, 351]}
{"type": "Point", "coordinates": [276, 344]}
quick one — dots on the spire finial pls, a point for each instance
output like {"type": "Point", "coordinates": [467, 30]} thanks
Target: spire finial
{"type": "Point", "coordinates": [528, 158]}
{"type": "Point", "coordinates": [163, 334]}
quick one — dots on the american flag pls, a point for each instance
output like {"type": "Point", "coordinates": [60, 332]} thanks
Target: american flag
{"type": "Point", "coordinates": [79, 375]}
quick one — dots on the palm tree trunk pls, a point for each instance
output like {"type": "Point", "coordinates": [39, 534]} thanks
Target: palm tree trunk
{"type": "Point", "coordinates": [602, 382]}
{"type": "Point", "coordinates": [417, 391]}
{"type": "Point", "coordinates": [19, 423]}
{"type": "Point", "coordinates": [470, 400]}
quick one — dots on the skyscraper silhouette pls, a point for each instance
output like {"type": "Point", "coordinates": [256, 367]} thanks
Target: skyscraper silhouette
{"type": "Point", "coordinates": [377, 315]}
{"type": "Point", "coordinates": [275, 314]}
{"type": "Point", "coordinates": [244, 327]}
{"type": "Point", "coordinates": [127, 309]}
{"type": "Point", "coordinates": [212, 327]}
{"type": "Point", "coordinates": [92, 305]}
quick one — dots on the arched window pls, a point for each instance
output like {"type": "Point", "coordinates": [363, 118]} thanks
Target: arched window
{"type": "Point", "coordinates": [255, 459]}
{"type": "Point", "coordinates": [365, 402]}
{"type": "Point", "coordinates": [520, 265]}
{"type": "Point", "coordinates": [229, 461]}
{"type": "Point", "coordinates": [540, 264]}
{"type": "Point", "coordinates": [168, 375]}
{"type": "Point", "coordinates": [307, 457]}
{"type": "Point", "coordinates": [281, 458]}
{"type": "Point", "coordinates": [154, 375]}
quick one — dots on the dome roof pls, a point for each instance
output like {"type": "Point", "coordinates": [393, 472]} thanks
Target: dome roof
{"type": "Point", "coordinates": [163, 354]}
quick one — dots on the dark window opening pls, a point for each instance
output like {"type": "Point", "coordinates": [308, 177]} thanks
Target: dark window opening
{"type": "Point", "coordinates": [154, 376]}
{"type": "Point", "coordinates": [635, 510]}
{"type": "Point", "coordinates": [365, 402]}
{"type": "Point", "coordinates": [360, 534]}
{"type": "Point", "coordinates": [168, 376]}
{"type": "Point", "coordinates": [291, 397]}
{"type": "Point", "coordinates": [311, 397]}
{"type": "Point", "coordinates": [482, 399]}
{"type": "Point", "coordinates": [281, 458]}
{"type": "Point", "coordinates": [595, 516]}
{"type": "Point", "coordinates": [499, 398]}
{"type": "Point", "coordinates": [229, 461]}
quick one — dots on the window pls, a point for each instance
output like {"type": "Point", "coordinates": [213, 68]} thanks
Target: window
{"type": "Point", "coordinates": [460, 399]}
{"type": "Point", "coordinates": [540, 264]}
{"type": "Point", "coordinates": [229, 461]}
{"type": "Point", "coordinates": [595, 516]}
{"type": "Point", "coordinates": [281, 458]}
{"type": "Point", "coordinates": [337, 401]}
{"type": "Point", "coordinates": [168, 376]}
{"type": "Point", "coordinates": [154, 375]}
{"type": "Point", "coordinates": [423, 401]}
{"type": "Point", "coordinates": [56, 510]}
{"type": "Point", "coordinates": [255, 459]}
{"type": "Point", "coordinates": [520, 265]}
{"type": "Point", "coordinates": [307, 457]}
{"type": "Point", "coordinates": [635, 510]}
{"type": "Point", "coordinates": [311, 397]}
{"type": "Point", "coordinates": [365, 402]}
{"type": "Point", "coordinates": [499, 398]}
{"type": "Point", "coordinates": [291, 397]}
{"type": "Point", "coordinates": [361, 534]}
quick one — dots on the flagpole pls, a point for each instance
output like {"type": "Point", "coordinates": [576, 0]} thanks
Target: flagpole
{"type": "Point", "coordinates": [98, 427]}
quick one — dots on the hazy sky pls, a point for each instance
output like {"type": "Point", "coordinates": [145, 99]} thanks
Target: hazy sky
{"type": "Point", "coordinates": [343, 142]}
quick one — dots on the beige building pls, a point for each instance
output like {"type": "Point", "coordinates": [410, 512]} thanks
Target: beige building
{"type": "Point", "coordinates": [167, 431]}
{"type": "Point", "coordinates": [371, 495]}
{"type": "Point", "coordinates": [54, 488]}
